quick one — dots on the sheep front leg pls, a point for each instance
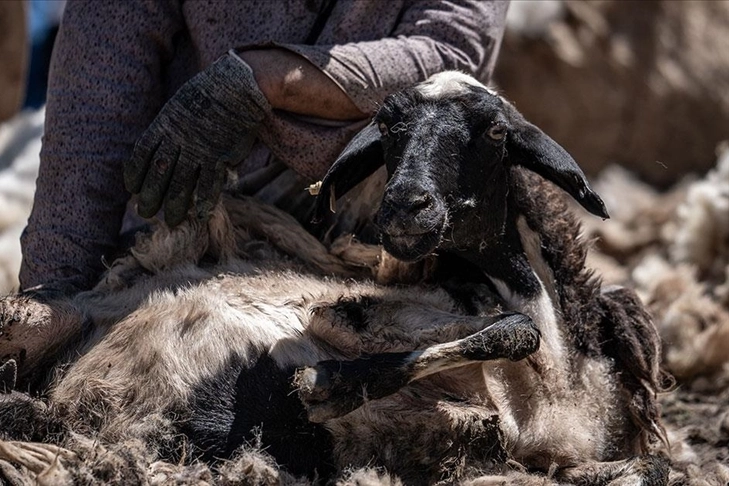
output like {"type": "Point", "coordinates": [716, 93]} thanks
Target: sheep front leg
{"type": "Point", "coordinates": [402, 320]}
{"type": "Point", "coordinates": [334, 388]}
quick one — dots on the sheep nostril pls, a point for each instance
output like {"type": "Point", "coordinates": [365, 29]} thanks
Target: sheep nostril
{"type": "Point", "coordinates": [420, 203]}
{"type": "Point", "coordinates": [408, 205]}
{"type": "Point", "coordinates": [402, 213]}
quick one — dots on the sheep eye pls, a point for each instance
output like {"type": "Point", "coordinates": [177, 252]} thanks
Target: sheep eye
{"type": "Point", "coordinates": [383, 129]}
{"type": "Point", "coordinates": [497, 132]}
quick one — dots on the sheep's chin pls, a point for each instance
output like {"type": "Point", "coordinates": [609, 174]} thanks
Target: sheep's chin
{"type": "Point", "coordinates": [411, 248]}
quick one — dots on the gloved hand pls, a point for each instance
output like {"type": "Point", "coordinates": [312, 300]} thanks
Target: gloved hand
{"type": "Point", "coordinates": [208, 125]}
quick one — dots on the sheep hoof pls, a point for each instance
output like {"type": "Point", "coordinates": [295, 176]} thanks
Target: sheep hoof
{"type": "Point", "coordinates": [513, 337]}
{"type": "Point", "coordinates": [8, 376]}
{"type": "Point", "coordinates": [334, 388]}
{"type": "Point", "coordinates": [34, 326]}
{"type": "Point", "coordinates": [316, 386]}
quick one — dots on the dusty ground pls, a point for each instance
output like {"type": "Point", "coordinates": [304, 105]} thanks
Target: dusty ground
{"type": "Point", "coordinates": [702, 419]}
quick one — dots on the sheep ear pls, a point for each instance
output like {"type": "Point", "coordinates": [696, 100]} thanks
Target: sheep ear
{"type": "Point", "coordinates": [533, 149]}
{"type": "Point", "coordinates": [362, 156]}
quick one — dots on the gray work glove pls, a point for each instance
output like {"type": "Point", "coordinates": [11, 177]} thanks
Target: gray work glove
{"type": "Point", "coordinates": [207, 126]}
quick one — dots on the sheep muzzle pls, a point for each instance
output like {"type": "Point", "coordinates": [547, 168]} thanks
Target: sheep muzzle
{"type": "Point", "coordinates": [412, 223]}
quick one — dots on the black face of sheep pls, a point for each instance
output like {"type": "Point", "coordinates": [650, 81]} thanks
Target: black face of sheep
{"type": "Point", "coordinates": [448, 145]}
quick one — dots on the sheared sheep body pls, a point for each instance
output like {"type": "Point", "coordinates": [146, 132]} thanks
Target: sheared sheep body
{"type": "Point", "coordinates": [178, 347]}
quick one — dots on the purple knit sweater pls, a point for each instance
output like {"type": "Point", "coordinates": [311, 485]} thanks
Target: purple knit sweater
{"type": "Point", "coordinates": [116, 62]}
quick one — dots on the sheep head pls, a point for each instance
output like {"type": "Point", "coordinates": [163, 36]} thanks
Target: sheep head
{"type": "Point", "coordinates": [448, 144]}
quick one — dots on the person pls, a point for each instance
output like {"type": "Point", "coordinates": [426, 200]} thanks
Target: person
{"type": "Point", "coordinates": [202, 85]}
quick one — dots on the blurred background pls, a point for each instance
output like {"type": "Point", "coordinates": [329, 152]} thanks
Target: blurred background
{"type": "Point", "coordinates": [644, 84]}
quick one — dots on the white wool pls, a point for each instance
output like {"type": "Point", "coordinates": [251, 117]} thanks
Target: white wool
{"type": "Point", "coordinates": [10, 257]}
{"type": "Point", "coordinates": [649, 273]}
{"type": "Point", "coordinates": [702, 234]}
{"type": "Point", "coordinates": [20, 143]}
{"type": "Point", "coordinates": [449, 83]}
{"type": "Point", "coordinates": [681, 288]}
{"type": "Point", "coordinates": [531, 18]}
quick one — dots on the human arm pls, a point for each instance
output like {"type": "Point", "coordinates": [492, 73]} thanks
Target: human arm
{"type": "Point", "coordinates": [431, 36]}
{"type": "Point", "coordinates": [104, 88]}
{"type": "Point", "coordinates": [210, 123]}
{"type": "Point", "coordinates": [293, 84]}
{"type": "Point", "coordinates": [346, 81]}
{"type": "Point", "coordinates": [336, 82]}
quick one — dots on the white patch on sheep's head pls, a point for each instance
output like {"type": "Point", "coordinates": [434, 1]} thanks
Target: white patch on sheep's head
{"type": "Point", "coordinates": [449, 83]}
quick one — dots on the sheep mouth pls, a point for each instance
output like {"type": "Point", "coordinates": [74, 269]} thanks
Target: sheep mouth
{"type": "Point", "coordinates": [411, 247]}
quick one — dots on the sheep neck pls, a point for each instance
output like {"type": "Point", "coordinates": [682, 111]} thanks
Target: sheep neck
{"type": "Point", "coordinates": [494, 245]}
{"type": "Point", "coordinates": [513, 262]}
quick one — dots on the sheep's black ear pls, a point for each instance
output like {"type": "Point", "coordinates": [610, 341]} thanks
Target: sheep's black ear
{"type": "Point", "coordinates": [362, 156]}
{"type": "Point", "coordinates": [531, 148]}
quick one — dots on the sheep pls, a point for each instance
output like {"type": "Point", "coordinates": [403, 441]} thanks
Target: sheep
{"type": "Point", "coordinates": [508, 351]}
{"type": "Point", "coordinates": [440, 141]}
